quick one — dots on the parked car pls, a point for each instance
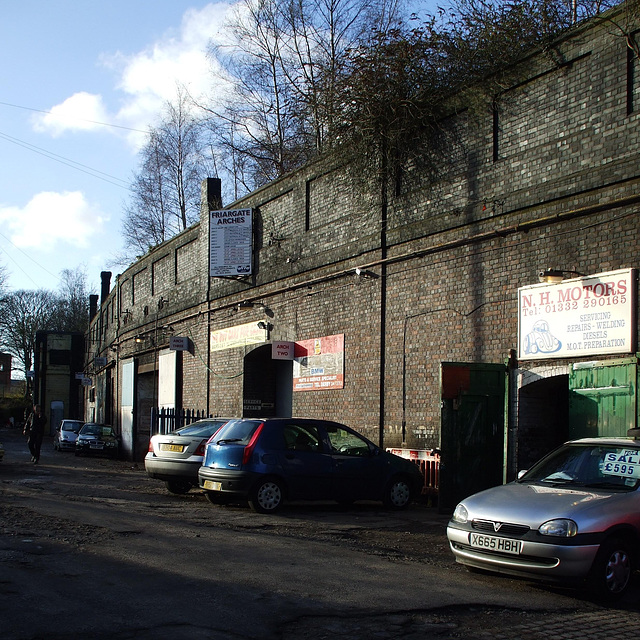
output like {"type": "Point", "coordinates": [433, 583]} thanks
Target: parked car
{"type": "Point", "coordinates": [176, 457]}
{"type": "Point", "coordinates": [66, 434]}
{"type": "Point", "coordinates": [97, 438]}
{"type": "Point", "coordinates": [573, 517]}
{"type": "Point", "coordinates": [266, 461]}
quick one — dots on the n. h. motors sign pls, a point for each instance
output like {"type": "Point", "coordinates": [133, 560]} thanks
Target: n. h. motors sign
{"type": "Point", "coordinates": [586, 316]}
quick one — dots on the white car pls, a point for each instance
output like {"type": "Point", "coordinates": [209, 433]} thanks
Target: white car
{"type": "Point", "coordinates": [66, 435]}
{"type": "Point", "coordinates": [176, 457]}
{"type": "Point", "coordinates": [573, 517]}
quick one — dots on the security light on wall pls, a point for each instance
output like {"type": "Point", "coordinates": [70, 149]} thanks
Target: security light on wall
{"type": "Point", "coordinates": [551, 276]}
{"type": "Point", "coordinates": [554, 276]}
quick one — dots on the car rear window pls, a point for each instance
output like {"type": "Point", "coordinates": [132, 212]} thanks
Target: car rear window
{"type": "Point", "coordinates": [200, 429]}
{"type": "Point", "coordinates": [237, 431]}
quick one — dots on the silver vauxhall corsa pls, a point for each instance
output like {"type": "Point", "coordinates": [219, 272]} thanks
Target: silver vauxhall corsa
{"type": "Point", "coordinates": [573, 517]}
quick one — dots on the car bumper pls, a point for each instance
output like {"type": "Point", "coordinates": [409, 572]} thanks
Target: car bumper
{"type": "Point", "coordinates": [63, 445]}
{"type": "Point", "coordinates": [224, 481]}
{"type": "Point", "coordinates": [171, 469]}
{"type": "Point", "coordinates": [107, 451]}
{"type": "Point", "coordinates": [545, 561]}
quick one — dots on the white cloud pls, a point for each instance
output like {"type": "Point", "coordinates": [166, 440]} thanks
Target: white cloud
{"type": "Point", "coordinates": [52, 219]}
{"type": "Point", "coordinates": [147, 79]}
{"type": "Point", "coordinates": [81, 112]}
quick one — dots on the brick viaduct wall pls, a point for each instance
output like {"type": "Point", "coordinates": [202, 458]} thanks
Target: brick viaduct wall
{"type": "Point", "coordinates": [543, 175]}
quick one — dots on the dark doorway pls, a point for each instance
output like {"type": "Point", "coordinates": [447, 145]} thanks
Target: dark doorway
{"type": "Point", "coordinates": [268, 385]}
{"type": "Point", "coordinates": [543, 418]}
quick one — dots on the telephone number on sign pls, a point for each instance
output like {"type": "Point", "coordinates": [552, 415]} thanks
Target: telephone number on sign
{"type": "Point", "coordinates": [572, 305]}
{"type": "Point", "coordinates": [493, 543]}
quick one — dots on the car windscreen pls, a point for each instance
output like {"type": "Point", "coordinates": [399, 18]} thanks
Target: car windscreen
{"type": "Point", "coordinates": [200, 429]}
{"type": "Point", "coordinates": [72, 426]}
{"type": "Point", "coordinates": [589, 465]}
{"type": "Point", "coordinates": [237, 431]}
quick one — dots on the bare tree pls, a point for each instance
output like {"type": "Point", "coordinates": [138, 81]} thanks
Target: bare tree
{"type": "Point", "coordinates": [4, 278]}
{"type": "Point", "coordinates": [22, 314]}
{"type": "Point", "coordinates": [283, 62]}
{"type": "Point", "coordinates": [165, 193]}
{"type": "Point", "coordinates": [72, 303]}
{"type": "Point", "coordinates": [400, 85]}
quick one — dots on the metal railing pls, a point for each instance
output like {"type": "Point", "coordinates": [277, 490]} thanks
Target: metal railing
{"type": "Point", "coordinates": [166, 420]}
{"type": "Point", "coordinates": [429, 462]}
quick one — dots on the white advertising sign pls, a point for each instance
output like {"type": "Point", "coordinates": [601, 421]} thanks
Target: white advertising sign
{"type": "Point", "coordinates": [241, 335]}
{"type": "Point", "coordinates": [586, 316]}
{"type": "Point", "coordinates": [230, 243]}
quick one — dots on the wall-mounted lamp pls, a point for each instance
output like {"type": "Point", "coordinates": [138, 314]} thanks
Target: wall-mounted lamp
{"type": "Point", "coordinates": [554, 276]}
{"type": "Point", "coordinates": [139, 339]}
{"type": "Point", "coordinates": [162, 302]}
{"type": "Point", "coordinates": [365, 273]}
{"type": "Point", "coordinates": [551, 276]}
{"type": "Point", "coordinates": [267, 326]}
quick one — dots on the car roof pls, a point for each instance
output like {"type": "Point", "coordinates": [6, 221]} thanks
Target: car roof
{"type": "Point", "coordinates": [616, 441]}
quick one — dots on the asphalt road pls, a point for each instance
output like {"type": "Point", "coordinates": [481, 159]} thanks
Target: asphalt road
{"type": "Point", "coordinates": [93, 548]}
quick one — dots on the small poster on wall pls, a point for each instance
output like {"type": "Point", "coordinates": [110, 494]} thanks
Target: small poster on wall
{"type": "Point", "coordinates": [318, 364]}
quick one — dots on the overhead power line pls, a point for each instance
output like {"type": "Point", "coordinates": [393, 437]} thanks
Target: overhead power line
{"type": "Point", "coordinates": [103, 124]}
{"type": "Point", "coordinates": [96, 173]}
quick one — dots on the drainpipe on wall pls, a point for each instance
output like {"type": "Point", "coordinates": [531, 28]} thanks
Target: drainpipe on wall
{"type": "Point", "coordinates": [211, 198]}
{"type": "Point", "coordinates": [383, 298]}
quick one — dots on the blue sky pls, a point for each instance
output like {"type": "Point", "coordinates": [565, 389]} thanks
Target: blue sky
{"type": "Point", "coordinates": [66, 66]}
{"type": "Point", "coordinates": [80, 83]}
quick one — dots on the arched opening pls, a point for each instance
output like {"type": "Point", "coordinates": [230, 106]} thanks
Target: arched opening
{"type": "Point", "coordinates": [268, 385]}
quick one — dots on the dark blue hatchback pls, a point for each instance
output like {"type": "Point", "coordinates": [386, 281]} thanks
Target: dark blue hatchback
{"type": "Point", "coordinates": [267, 461]}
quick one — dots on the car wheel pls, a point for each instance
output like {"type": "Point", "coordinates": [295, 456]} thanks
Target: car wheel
{"type": "Point", "coordinates": [266, 496]}
{"type": "Point", "coordinates": [179, 487]}
{"type": "Point", "coordinates": [397, 494]}
{"type": "Point", "coordinates": [612, 569]}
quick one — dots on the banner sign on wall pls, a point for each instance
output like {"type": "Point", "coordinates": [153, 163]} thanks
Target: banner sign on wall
{"type": "Point", "coordinates": [230, 243]}
{"type": "Point", "coordinates": [586, 316]}
{"type": "Point", "coordinates": [239, 336]}
{"type": "Point", "coordinates": [318, 364]}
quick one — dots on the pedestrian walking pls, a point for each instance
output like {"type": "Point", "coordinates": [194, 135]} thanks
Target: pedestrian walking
{"type": "Point", "coordinates": [34, 427]}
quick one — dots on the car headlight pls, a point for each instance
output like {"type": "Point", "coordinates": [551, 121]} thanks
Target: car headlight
{"type": "Point", "coordinates": [562, 528]}
{"type": "Point", "coordinates": [460, 514]}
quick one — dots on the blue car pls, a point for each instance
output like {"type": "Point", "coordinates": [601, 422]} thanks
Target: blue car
{"type": "Point", "coordinates": [267, 461]}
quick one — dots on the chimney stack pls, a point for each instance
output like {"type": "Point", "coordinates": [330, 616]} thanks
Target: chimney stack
{"type": "Point", "coordinates": [93, 306]}
{"type": "Point", "coordinates": [105, 277]}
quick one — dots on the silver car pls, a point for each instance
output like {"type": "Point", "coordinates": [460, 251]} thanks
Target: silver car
{"type": "Point", "coordinates": [573, 517]}
{"type": "Point", "coordinates": [177, 456]}
{"type": "Point", "coordinates": [66, 435]}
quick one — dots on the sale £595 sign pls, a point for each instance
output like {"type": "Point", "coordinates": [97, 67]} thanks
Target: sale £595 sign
{"type": "Point", "coordinates": [591, 315]}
